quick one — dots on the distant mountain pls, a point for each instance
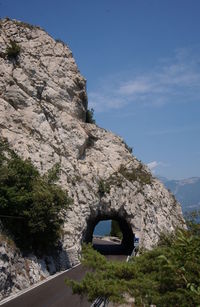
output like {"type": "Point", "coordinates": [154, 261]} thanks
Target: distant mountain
{"type": "Point", "coordinates": [186, 191]}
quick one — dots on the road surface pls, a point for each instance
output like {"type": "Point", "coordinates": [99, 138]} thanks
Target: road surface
{"type": "Point", "coordinates": [54, 293]}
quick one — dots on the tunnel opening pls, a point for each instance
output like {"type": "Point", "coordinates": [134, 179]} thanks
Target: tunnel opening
{"type": "Point", "coordinates": [123, 245]}
{"type": "Point", "coordinates": [103, 228]}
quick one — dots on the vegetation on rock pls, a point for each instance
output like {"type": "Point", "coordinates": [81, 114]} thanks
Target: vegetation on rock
{"type": "Point", "coordinates": [13, 50]}
{"type": "Point", "coordinates": [90, 116]}
{"type": "Point", "coordinates": [103, 188]}
{"type": "Point", "coordinates": [168, 275]}
{"type": "Point", "coordinates": [58, 40]}
{"type": "Point", "coordinates": [136, 174]}
{"type": "Point", "coordinates": [30, 205]}
{"type": "Point", "coordinates": [130, 149]}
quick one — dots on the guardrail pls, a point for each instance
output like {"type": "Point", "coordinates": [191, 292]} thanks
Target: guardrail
{"type": "Point", "coordinates": [133, 254]}
{"type": "Point", "coordinates": [100, 302]}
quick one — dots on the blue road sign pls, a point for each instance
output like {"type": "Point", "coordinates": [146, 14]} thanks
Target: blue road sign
{"type": "Point", "coordinates": [136, 242]}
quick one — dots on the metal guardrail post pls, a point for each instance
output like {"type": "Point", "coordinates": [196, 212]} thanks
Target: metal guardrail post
{"type": "Point", "coordinates": [100, 302]}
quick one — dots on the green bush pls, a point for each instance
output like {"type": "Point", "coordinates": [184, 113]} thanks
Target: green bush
{"type": "Point", "coordinates": [25, 25]}
{"type": "Point", "coordinates": [168, 275]}
{"type": "Point", "coordinates": [58, 40]}
{"type": "Point", "coordinates": [30, 205]}
{"type": "Point", "coordinates": [103, 188]}
{"type": "Point", "coordinates": [136, 174]}
{"type": "Point", "coordinates": [130, 149]}
{"type": "Point", "coordinates": [13, 50]}
{"type": "Point", "coordinates": [90, 116]}
{"type": "Point", "coordinates": [193, 221]}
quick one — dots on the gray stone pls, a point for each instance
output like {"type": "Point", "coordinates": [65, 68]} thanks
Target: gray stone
{"type": "Point", "coordinates": [43, 105]}
{"type": "Point", "coordinates": [18, 272]}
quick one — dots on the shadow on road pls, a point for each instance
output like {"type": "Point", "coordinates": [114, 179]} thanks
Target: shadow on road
{"type": "Point", "coordinates": [109, 248]}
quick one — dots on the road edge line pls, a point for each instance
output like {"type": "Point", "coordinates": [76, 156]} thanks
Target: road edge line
{"type": "Point", "coordinates": [21, 292]}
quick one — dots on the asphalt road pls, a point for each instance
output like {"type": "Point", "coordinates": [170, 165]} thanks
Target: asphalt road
{"type": "Point", "coordinates": [54, 293]}
{"type": "Point", "coordinates": [111, 250]}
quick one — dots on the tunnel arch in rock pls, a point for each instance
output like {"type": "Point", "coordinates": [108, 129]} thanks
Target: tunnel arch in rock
{"type": "Point", "coordinates": [135, 198]}
{"type": "Point", "coordinates": [125, 227]}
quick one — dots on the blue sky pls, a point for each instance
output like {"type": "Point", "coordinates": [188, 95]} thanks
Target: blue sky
{"type": "Point", "coordinates": [141, 60]}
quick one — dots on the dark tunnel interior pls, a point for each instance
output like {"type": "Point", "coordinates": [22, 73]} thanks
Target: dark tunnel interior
{"type": "Point", "coordinates": [127, 242]}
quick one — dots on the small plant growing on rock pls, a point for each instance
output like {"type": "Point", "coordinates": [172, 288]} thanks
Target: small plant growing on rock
{"type": "Point", "coordinates": [13, 50]}
{"type": "Point", "coordinates": [58, 40]}
{"type": "Point", "coordinates": [130, 149]}
{"type": "Point", "coordinates": [90, 116]}
{"type": "Point", "coordinates": [103, 188]}
{"type": "Point", "coordinates": [136, 174]}
{"type": "Point", "coordinates": [26, 25]}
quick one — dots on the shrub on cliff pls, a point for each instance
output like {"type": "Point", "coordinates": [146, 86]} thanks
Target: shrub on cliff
{"type": "Point", "coordinates": [13, 50]}
{"type": "Point", "coordinates": [90, 116]}
{"type": "Point", "coordinates": [103, 187]}
{"type": "Point", "coordinates": [138, 174]}
{"type": "Point", "coordinates": [30, 205]}
{"type": "Point", "coordinates": [168, 275]}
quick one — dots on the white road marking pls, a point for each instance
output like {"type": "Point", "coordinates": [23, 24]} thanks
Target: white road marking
{"type": "Point", "coordinates": [11, 297]}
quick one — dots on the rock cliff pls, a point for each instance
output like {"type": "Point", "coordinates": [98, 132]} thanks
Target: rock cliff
{"type": "Point", "coordinates": [43, 104]}
{"type": "Point", "coordinates": [18, 272]}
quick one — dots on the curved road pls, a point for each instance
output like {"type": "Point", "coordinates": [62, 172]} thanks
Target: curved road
{"type": "Point", "coordinates": [54, 293]}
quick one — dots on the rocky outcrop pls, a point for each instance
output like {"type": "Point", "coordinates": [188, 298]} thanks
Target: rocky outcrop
{"type": "Point", "coordinates": [43, 105]}
{"type": "Point", "coordinates": [18, 272]}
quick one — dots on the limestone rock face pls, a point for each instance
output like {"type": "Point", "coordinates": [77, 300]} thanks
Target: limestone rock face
{"type": "Point", "coordinates": [43, 105]}
{"type": "Point", "coordinates": [17, 272]}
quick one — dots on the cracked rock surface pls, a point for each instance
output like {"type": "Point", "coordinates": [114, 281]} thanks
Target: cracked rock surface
{"type": "Point", "coordinates": [43, 104]}
{"type": "Point", "coordinates": [18, 272]}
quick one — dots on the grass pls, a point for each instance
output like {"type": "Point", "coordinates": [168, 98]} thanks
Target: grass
{"type": "Point", "coordinates": [136, 174]}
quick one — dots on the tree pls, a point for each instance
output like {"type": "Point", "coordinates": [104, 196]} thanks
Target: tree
{"type": "Point", "coordinates": [31, 206]}
{"type": "Point", "coordinates": [168, 275]}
